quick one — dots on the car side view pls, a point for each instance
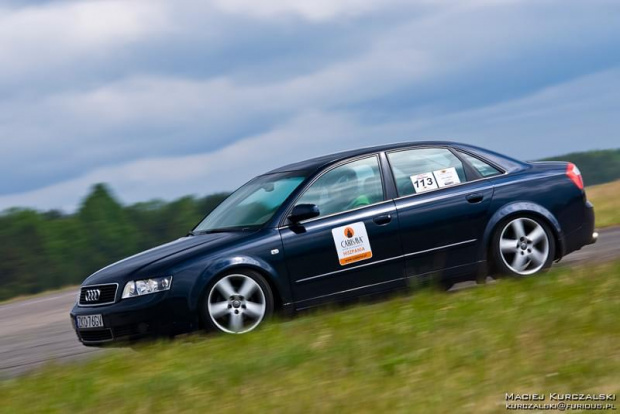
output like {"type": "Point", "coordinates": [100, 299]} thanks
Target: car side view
{"type": "Point", "coordinates": [338, 227]}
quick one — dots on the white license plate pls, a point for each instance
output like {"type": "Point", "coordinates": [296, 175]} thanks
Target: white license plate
{"type": "Point", "coordinates": [89, 321]}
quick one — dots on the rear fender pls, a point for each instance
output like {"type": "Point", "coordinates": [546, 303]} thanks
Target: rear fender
{"type": "Point", "coordinates": [527, 208]}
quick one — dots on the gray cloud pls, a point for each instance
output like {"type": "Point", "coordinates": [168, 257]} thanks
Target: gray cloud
{"type": "Point", "coordinates": [151, 96]}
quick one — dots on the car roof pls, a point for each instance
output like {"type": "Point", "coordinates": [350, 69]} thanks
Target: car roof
{"type": "Point", "coordinates": [313, 164]}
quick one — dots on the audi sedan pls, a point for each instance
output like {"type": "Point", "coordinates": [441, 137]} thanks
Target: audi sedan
{"type": "Point", "coordinates": [338, 227]}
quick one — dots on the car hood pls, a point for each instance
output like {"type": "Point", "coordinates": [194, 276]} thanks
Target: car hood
{"type": "Point", "coordinates": [121, 270]}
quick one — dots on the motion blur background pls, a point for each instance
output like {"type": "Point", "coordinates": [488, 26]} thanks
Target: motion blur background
{"type": "Point", "coordinates": [177, 101]}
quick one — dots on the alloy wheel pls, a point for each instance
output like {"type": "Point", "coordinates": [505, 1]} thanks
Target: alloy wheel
{"type": "Point", "coordinates": [236, 304]}
{"type": "Point", "coordinates": [524, 246]}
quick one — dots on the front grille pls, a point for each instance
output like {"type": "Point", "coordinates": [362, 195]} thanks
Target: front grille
{"type": "Point", "coordinates": [96, 335]}
{"type": "Point", "coordinates": [98, 294]}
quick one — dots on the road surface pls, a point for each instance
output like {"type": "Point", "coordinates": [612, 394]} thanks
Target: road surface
{"type": "Point", "coordinates": [38, 330]}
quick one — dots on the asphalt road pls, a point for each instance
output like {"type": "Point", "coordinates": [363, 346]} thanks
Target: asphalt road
{"type": "Point", "coordinates": [37, 331]}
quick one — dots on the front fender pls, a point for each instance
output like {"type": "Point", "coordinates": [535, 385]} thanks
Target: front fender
{"type": "Point", "coordinates": [227, 264]}
{"type": "Point", "coordinates": [520, 207]}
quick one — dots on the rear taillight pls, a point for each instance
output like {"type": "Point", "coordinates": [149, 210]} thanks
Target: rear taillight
{"type": "Point", "coordinates": [575, 175]}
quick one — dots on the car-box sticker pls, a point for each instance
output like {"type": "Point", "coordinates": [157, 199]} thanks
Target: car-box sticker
{"type": "Point", "coordinates": [446, 177]}
{"type": "Point", "coordinates": [352, 243]}
{"type": "Point", "coordinates": [423, 182]}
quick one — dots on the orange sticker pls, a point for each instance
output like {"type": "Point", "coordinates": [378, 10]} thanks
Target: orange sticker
{"type": "Point", "coordinates": [352, 243]}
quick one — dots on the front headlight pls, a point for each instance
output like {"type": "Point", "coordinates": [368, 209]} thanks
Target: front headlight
{"type": "Point", "coordinates": [147, 286]}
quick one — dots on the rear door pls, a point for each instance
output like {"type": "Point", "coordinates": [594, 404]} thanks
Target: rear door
{"type": "Point", "coordinates": [353, 247]}
{"type": "Point", "coordinates": [443, 208]}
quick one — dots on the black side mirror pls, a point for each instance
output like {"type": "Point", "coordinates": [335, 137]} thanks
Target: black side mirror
{"type": "Point", "coordinates": [304, 212]}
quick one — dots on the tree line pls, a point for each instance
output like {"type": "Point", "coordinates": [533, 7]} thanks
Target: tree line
{"type": "Point", "coordinates": [46, 250]}
{"type": "Point", "coordinates": [597, 167]}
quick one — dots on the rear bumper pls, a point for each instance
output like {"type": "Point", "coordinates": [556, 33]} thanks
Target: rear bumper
{"type": "Point", "coordinates": [594, 238]}
{"type": "Point", "coordinates": [585, 234]}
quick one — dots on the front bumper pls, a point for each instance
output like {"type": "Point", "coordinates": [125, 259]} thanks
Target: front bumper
{"type": "Point", "coordinates": [130, 319]}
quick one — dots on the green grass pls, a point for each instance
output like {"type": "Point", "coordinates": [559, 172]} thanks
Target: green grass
{"type": "Point", "coordinates": [428, 352]}
{"type": "Point", "coordinates": [606, 200]}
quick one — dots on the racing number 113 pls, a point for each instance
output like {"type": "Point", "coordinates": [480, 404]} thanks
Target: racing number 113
{"type": "Point", "coordinates": [423, 183]}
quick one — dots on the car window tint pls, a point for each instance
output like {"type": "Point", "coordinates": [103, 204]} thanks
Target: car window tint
{"type": "Point", "coordinates": [425, 169]}
{"type": "Point", "coordinates": [482, 167]}
{"type": "Point", "coordinates": [347, 187]}
{"type": "Point", "coordinates": [254, 203]}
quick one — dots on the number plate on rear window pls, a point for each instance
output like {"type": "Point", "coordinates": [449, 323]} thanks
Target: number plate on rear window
{"type": "Point", "coordinates": [89, 321]}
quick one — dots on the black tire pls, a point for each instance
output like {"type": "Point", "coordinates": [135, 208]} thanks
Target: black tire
{"type": "Point", "coordinates": [239, 307]}
{"type": "Point", "coordinates": [504, 234]}
{"type": "Point", "coordinates": [445, 285]}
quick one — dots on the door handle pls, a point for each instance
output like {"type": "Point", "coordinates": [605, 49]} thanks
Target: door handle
{"type": "Point", "coordinates": [474, 198]}
{"type": "Point", "coordinates": [382, 220]}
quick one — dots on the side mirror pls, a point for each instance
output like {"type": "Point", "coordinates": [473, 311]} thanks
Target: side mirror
{"type": "Point", "coordinates": [304, 212]}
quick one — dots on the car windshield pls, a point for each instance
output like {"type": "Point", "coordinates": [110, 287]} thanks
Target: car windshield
{"type": "Point", "coordinates": [253, 204]}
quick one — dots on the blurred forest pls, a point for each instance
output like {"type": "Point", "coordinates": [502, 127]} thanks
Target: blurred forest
{"type": "Point", "coordinates": [42, 251]}
{"type": "Point", "coordinates": [46, 250]}
{"type": "Point", "coordinates": [597, 167]}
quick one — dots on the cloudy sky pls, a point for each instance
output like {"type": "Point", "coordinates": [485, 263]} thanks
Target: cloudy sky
{"type": "Point", "coordinates": [162, 99]}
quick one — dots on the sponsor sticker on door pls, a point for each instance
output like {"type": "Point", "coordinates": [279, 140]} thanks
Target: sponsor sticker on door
{"type": "Point", "coordinates": [352, 243]}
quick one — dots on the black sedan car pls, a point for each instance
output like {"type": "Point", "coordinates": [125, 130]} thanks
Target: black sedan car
{"type": "Point", "coordinates": [340, 226]}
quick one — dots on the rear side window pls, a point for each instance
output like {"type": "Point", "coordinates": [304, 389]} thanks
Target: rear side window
{"type": "Point", "coordinates": [425, 169]}
{"type": "Point", "coordinates": [482, 167]}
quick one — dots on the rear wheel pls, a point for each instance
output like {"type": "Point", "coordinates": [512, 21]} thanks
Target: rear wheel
{"type": "Point", "coordinates": [238, 302]}
{"type": "Point", "coordinates": [523, 246]}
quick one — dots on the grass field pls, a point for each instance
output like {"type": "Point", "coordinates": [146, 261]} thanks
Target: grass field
{"type": "Point", "coordinates": [427, 352]}
{"type": "Point", "coordinates": [606, 200]}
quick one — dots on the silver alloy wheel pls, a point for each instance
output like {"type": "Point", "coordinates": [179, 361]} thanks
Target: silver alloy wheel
{"type": "Point", "coordinates": [524, 246]}
{"type": "Point", "coordinates": [236, 304]}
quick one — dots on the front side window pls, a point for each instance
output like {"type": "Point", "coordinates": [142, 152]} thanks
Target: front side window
{"type": "Point", "coordinates": [425, 169]}
{"type": "Point", "coordinates": [253, 204]}
{"type": "Point", "coordinates": [347, 187]}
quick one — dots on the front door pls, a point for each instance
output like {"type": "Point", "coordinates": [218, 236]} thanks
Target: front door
{"type": "Point", "coordinates": [353, 247]}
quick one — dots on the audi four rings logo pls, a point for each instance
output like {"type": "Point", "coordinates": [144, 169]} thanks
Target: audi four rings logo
{"type": "Point", "coordinates": [92, 295]}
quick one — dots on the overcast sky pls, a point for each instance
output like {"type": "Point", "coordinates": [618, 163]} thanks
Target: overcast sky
{"type": "Point", "coordinates": [165, 99]}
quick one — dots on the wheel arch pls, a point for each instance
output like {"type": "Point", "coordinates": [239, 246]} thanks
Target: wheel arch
{"type": "Point", "coordinates": [522, 208]}
{"type": "Point", "coordinates": [238, 263]}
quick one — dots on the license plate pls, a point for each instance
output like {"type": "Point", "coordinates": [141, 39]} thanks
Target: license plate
{"type": "Point", "coordinates": [89, 321]}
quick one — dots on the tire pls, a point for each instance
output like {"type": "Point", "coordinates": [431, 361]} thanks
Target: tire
{"type": "Point", "coordinates": [445, 285]}
{"type": "Point", "coordinates": [237, 302]}
{"type": "Point", "coordinates": [523, 246]}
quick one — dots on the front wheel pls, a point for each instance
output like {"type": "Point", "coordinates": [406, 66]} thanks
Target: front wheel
{"type": "Point", "coordinates": [523, 246]}
{"type": "Point", "coordinates": [238, 302]}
